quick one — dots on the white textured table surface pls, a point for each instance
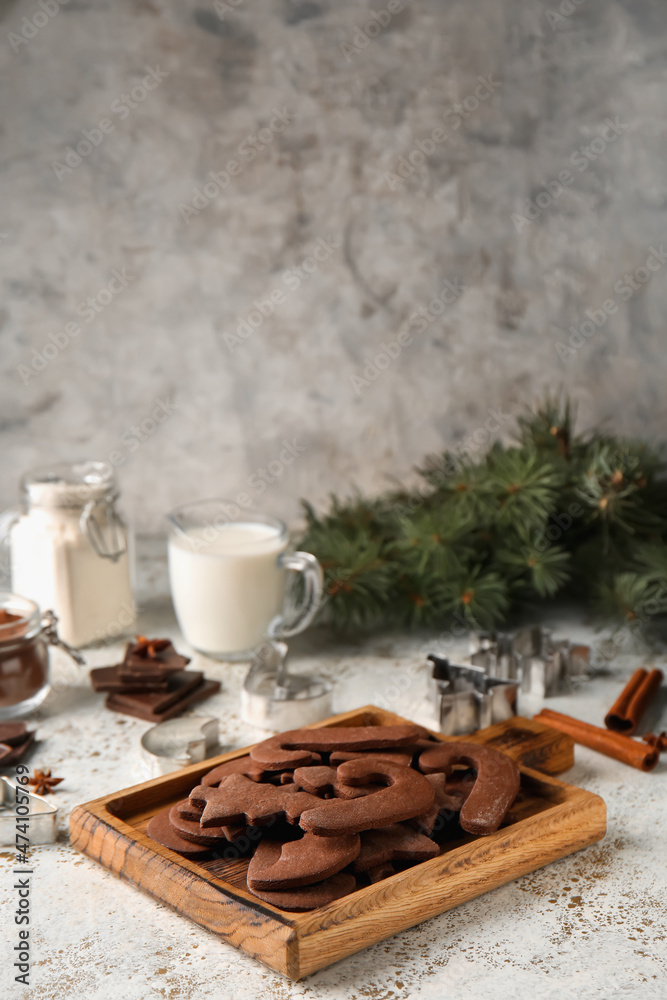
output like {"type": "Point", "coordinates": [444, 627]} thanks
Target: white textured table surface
{"type": "Point", "coordinates": [590, 926]}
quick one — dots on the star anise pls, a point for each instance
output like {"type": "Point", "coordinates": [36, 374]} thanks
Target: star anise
{"type": "Point", "coordinates": [43, 782]}
{"type": "Point", "coordinates": [150, 648]}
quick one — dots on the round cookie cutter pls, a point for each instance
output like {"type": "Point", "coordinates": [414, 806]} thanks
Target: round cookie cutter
{"type": "Point", "coordinates": [178, 742]}
{"type": "Point", "coordinates": [272, 698]}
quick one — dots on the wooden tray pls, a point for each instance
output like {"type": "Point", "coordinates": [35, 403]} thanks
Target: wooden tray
{"type": "Point", "coordinates": [552, 820]}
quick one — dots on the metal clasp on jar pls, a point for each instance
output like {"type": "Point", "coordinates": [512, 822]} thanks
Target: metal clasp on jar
{"type": "Point", "coordinates": [114, 545]}
{"type": "Point", "coordinates": [50, 630]}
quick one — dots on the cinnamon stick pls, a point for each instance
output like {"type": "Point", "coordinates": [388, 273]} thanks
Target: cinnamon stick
{"type": "Point", "coordinates": [626, 713]}
{"type": "Point", "coordinates": [643, 756]}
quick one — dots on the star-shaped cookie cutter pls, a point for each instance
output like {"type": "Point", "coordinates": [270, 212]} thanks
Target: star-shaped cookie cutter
{"type": "Point", "coordinates": [466, 698]}
{"type": "Point", "coordinates": [41, 819]}
{"type": "Point", "coordinates": [531, 656]}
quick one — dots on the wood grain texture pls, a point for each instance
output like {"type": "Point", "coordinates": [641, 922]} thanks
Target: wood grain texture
{"type": "Point", "coordinates": [550, 820]}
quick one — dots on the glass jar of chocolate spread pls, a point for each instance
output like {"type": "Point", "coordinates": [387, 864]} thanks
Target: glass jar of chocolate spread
{"type": "Point", "coordinates": [25, 637]}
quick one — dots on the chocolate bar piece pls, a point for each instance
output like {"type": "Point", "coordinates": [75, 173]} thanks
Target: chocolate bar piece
{"type": "Point", "coordinates": [137, 706]}
{"type": "Point", "coordinates": [107, 679]}
{"type": "Point", "coordinates": [156, 702]}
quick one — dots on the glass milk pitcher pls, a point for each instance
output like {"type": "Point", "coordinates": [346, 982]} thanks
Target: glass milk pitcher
{"type": "Point", "coordinates": [70, 551]}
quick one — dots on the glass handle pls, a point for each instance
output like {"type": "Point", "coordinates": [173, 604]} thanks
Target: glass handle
{"type": "Point", "coordinates": [313, 579]}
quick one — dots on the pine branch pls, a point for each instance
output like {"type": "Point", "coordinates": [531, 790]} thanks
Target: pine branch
{"type": "Point", "coordinates": [560, 510]}
{"type": "Point", "coordinates": [525, 486]}
{"type": "Point", "coordinates": [546, 568]}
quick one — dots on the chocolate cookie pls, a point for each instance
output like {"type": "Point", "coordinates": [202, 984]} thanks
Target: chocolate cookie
{"type": "Point", "coordinates": [160, 829]}
{"type": "Point", "coordinates": [407, 794]}
{"type": "Point", "coordinates": [187, 810]}
{"type": "Point", "coordinates": [191, 829]}
{"type": "Point", "coordinates": [240, 765]}
{"type": "Point", "coordinates": [239, 800]}
{"type": "Point", "coordinates": [450, 794]}
{"type": "Point", "coordinates": [393, 843]}
{"type": "Point", "coordinates": [318, 779]}
{"type": "Point", "coordinates": [393, 756]}
{"type": "Point", "coordinates": [380, 872]}
{"type": "Point", "coordinates": [343, 791]}
{"type": "Point", "coordinates": [495, 787]}
{"type": "Point", "coordinates": [277, 865]}
{"type": "Point", "coordinates": [301, 747]}
{"type": "Point", "coordinates": [309, 897]}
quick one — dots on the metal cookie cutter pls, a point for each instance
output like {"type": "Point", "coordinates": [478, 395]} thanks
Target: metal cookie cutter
{"type": "Point", "coordinates": [466, 698]}
{"type": "Point", "coordinates": [272, 698]}
{"type": "Point", "coordinates": [532, 656]}
{"type": "Point", "coordinates": [42, 818]}
{"type": "Point", "coordinates": [176, 743]}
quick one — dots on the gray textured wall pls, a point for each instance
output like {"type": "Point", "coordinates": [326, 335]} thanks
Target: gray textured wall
{"type": "Point", "coordinates": [356, 98]}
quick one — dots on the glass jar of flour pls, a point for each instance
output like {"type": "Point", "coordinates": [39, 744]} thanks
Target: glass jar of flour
{"type": "Point", "coordinates": [70, 551]}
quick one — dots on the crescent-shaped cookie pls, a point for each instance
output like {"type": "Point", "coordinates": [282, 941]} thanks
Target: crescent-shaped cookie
{"type": "Point", "coordinates": [407, 794]}
{"type": "Point", "coordinates": [277, 865]}
{"type": "Point", "coordinates": [495, 787]}
{"type": "Point", "coordinates": [302, 747]}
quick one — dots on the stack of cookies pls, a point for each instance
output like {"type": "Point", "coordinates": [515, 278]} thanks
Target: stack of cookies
{"type": "Point", "coordinates": [322, 811]}
{"type": "Point", "coordinates": [151, 682]}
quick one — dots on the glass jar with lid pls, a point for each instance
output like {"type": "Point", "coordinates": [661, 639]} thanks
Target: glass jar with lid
{"type": "Point", "coordinates": [70, 551]}
{"type": "Point", "coordinates": [25, 637]}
